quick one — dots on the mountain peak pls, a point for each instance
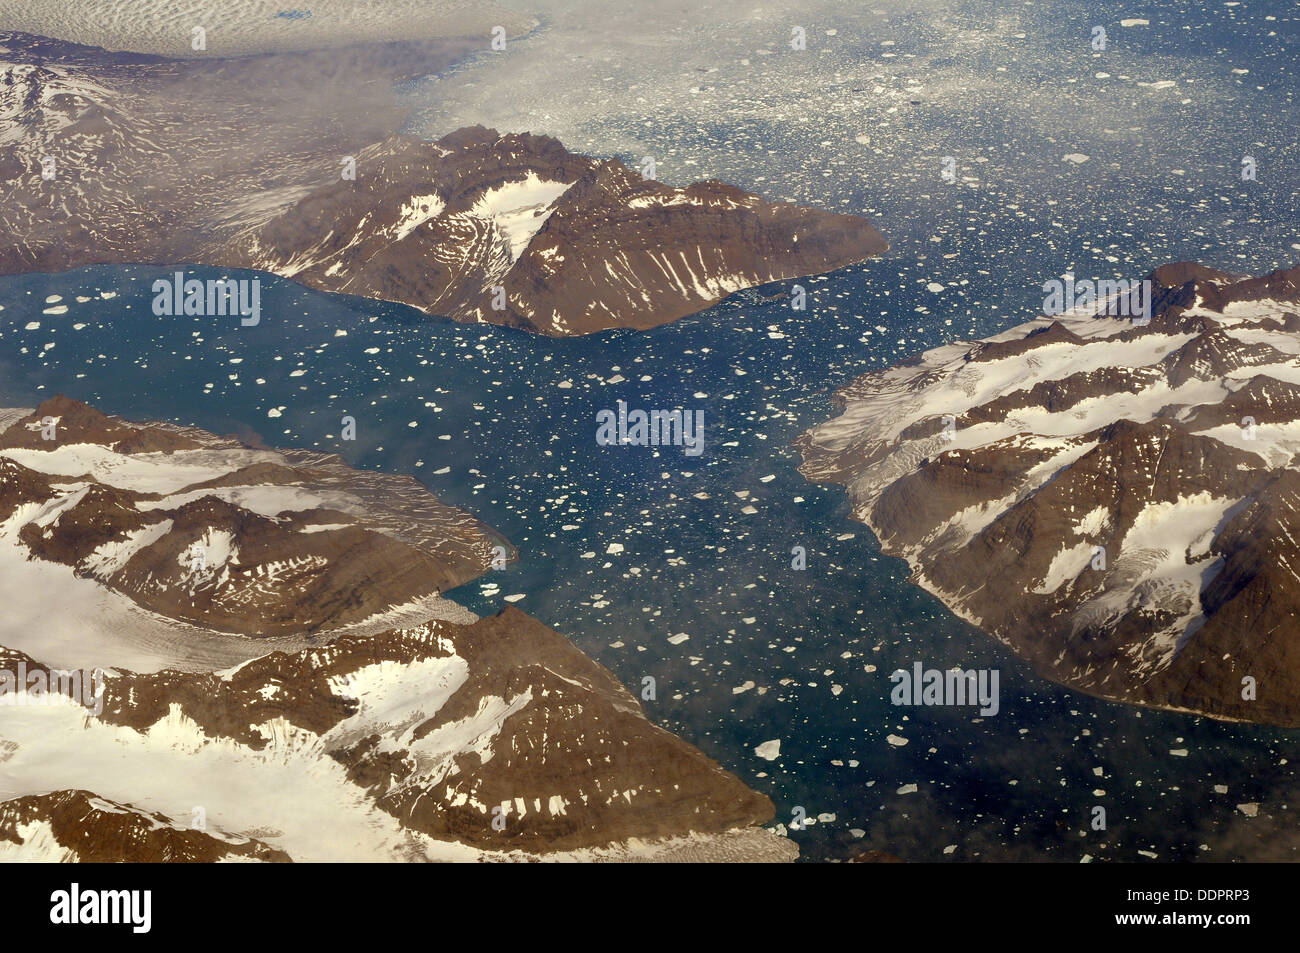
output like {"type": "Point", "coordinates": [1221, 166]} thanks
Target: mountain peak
{"type": "Point", "coordinates": [1120, 510]}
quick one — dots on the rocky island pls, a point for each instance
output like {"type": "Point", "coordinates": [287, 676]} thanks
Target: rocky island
{"type": "Point", "coordinates": [317, 185]}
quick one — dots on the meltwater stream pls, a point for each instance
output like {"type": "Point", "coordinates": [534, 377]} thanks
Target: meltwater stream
{"type": "Point", "coordinates": [628, 549]}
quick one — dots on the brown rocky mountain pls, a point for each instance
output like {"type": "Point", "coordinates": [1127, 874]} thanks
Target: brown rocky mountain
{"type": "Point", "coordinates": [509, 229]}
{"type": "Point", "coordinates": [575, 245]}
{"type": "Point", "coordinates": [79, 827]}
{"type": "Point", "coordinates": [237, 540]}
{"type": "Point", "coordinates": [441, 727]}
{"type": "Point", "coordinates": [89, 142]}
{"type": "Point", "coordinates": [1114, 501]}
{"type": "Point", "coordinates": [364, 717]}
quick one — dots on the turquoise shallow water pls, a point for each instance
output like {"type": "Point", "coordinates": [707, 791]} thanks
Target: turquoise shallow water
{"type": "Point", "coordinates": [512, 419]}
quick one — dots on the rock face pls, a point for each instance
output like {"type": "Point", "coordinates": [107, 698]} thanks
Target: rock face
{"type": "Point", "coordinates": [516, 230]}
{"type": "Point", "coordinates": [89, 140]}
{"type": "Point", "coordinates": [79, 827]}
{"type": "Point", "coordinates": [366, 718]}
{"type": "Point", "coordinates": [199, 530]}
{"type": "Point", "coordinates": [507, 229]}
{"type": "Point", "coordinates": [441, 741]}
{"type": "Point", "coordinates": [1116, 502]}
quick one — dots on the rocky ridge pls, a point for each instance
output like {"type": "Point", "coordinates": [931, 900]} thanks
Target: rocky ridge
{"type": "Point", "coordinates": [1115, 501]}
{"type": "Point", "coordinates": [514, 229]}
{"type": "Point", "coordinates": [306, 177]}
{"type": "Point", "coordinates": [364, 717]}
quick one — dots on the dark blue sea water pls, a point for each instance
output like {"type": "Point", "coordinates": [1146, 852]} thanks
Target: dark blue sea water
{"type": "Point", "coordinates": [503, 423]}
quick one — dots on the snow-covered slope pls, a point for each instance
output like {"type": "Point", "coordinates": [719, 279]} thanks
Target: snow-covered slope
{"type": "Point", "coordinates": [439, 742]}
{"type": "Point", "coordinates": [1115, 501]}
{"type": "Point", "coordinates": [205, 532]}
{"type": "Point", "coordinates": [211, 652]}
{"type": "Point", "coordinates": [89, 142]}
{"type": "Point", "coordinates": [294, 167]}
{"type": "Point", "coordinates": [513, 229]}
